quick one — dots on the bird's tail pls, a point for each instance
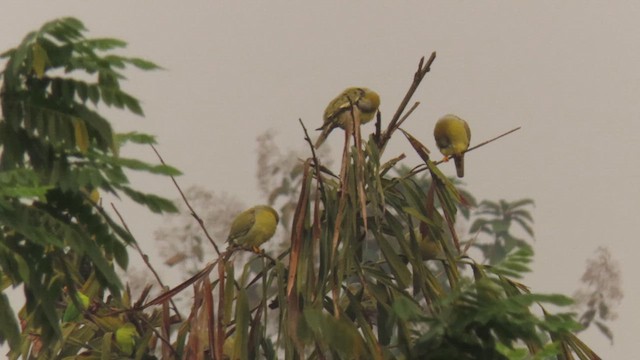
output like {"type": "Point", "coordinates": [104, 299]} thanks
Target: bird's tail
{"type": "Point", "coordinates": [459, 161]}
{"type": "Point", "coordinates": [323, 135]}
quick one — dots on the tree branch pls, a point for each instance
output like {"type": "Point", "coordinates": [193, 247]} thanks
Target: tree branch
{"type": "Point", "coordinates": [145, 258]}
{"type": "Point", "coordinates": [184, 198]}
{"type": "Point", "coordinates": [417, 79]}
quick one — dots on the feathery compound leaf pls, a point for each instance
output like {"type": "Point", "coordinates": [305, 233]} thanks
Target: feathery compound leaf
{"type": "Point", "coordinates": [155, 203]}
{"type": "Point", "coordinates": [55, 152]}
{"type": "Point", "coordinates": [135, 137]}
{"type": "Point", "coordinates": [135, 164]}
{"type": "Point", "coordinates": [101, 44]}
{"type": "Point", "coordinates": [21, 183]}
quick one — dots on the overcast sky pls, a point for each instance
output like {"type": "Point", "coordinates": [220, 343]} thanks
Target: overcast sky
{"type": "Point", "coordinates": [567, 72]}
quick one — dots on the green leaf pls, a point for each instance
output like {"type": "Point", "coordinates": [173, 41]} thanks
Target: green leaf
{"type": "Point", "coordinates": [242, 325]}
{"type": "Point", "coordinates": [101, 263]}
{"type": "Point", "coordinates": [406, 309]}
{"type": "Point", "coordinates": [93, 92]}
{"type": "Point", "coordinates": [132, 104]}
{"type": "Point", "coordinates": [17, 59]}
{"type": "Point", "coordinates": [120, 254]}
{"type": "Point", "coordinates": [403, 276]}
{"type": "Point", "coordinates": [340, 334]}
{"type": "Point", "coordinates": [72, 313]}
{"type": "Point", "coordinates": [143, 64]}
{"type": "Point", "coordinates": [9, 330]}
{"type": "Point", "coordinates": [155, 203]}
{"type": "Point", "coordinates": [32, 223]}
{"type": "Point", "coordinates": [416, 214]}
{"type": "Point", "coordinates": [102, 44]}
{"type": "Point", "coordinates": [135, 137]}
{"type": "Point", "coordinates": [140, 165]}
{"type": "Point", "coordinates": [21, 183]}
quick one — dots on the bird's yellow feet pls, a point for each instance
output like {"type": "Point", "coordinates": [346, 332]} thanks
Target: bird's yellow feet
{"type": "Point", "coordinates": [257, 250]}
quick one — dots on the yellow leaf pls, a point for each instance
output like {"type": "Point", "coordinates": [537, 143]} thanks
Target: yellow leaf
{"type": "Point", "coordinates": [81, 134]}
{"type": "Point", "coordinates": [40, 60]}
{"type": "Point", "coordinates": [94, 196]}
{"type": "Point", "coordinates": [228, 349]}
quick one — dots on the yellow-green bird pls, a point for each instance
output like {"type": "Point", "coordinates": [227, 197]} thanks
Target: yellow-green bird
{"type": "Point", "coordinates": [452, 137]}
{"type": "Point", "coordinates": [338, 112]}
{"type": "Point", "coordinates": [253, 227]}
{"type": "Point", "coordinates": [428, 249]}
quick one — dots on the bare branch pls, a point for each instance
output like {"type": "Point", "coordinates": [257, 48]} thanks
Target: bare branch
{"type": "Point", "coordinates": [316, 162]}
{"type": "Point", "coordinates": [145, 258]}
{"type": "Point", "coordinates": [417, 79]}
{"type": "Point", "coordinates": [423, 167]}
{"type": "Point", "coordinates": [184, 198]}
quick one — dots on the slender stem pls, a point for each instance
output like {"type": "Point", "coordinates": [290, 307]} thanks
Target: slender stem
{"type": "Point", "coordinates": [145, 258]}
{"type": "Point", "coordinates": [193, 212]}
{"type": "Point", "coordinates": [417, 79]}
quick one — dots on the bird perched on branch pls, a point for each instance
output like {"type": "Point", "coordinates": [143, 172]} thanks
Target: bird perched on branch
{"type": "Point", "coordinates": [338, 112]}
{"type": "Point", "coordinates": [253, 227]}
{"type": "Point", "coordinates": [452, 137]}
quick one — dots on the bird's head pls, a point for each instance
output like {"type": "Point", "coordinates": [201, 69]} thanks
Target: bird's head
{"type": "Point", "coordinates": [270, 210]}
{"type": "Point", "coordinates": [369, 100]}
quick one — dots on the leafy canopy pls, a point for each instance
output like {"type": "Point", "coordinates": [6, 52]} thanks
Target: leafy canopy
{"type": "Point", "coordinates": [57, 154]}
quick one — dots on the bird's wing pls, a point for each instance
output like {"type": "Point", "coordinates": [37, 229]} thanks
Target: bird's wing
{"type": "Point", "coordinates": [340, 105]}
{"type": "Point", "coordinates": [242, 224]}
{"type": "Point", "coordinates": [343, 103]}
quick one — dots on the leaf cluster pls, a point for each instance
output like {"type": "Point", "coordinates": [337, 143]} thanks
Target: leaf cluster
{"type": "Point", "coordinates": [57, 153]}
{"type": "Point", "coordinates": [387, 295]}
{"type": "Point", "coordinates": [375, 269]}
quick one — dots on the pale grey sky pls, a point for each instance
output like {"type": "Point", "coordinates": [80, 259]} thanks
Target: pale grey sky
{"type": "Point", "coordinates": [564, 71]}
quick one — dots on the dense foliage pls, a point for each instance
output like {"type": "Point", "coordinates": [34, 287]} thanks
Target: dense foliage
{"type": "Point", "coordinates": [57, 154]}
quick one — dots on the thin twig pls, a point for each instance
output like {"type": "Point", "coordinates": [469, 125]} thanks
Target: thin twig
{"type": "Point", "coordinates": [378, 132]}
{"type": "Point", "coordinates": [184, 198]}
{"type": "Point", "coordinates": [483, 143]}
{"type": "Point", "coordinates": [144, 257]}
{"type": "Point", "coordinates": [344, 168]}
{"type": "Point", "coordinates": [343, 193]}
{"type": "Point", "coordinates": [273, 263]}
{"type": "Point", "coordinates": [162, 338]}
{"type": "Point", "coordinates": [417, 78]}
{"type": "Point", "coordinates": [422, 167]}
{"type": "Point", "coordinates": [316, 162]}
{"type": "Point", "coordinates": [178, 288]}
{"type": "Point", "coordinates": [411, 110]}
{"type": "Point", "coordinates": [494, 139]}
